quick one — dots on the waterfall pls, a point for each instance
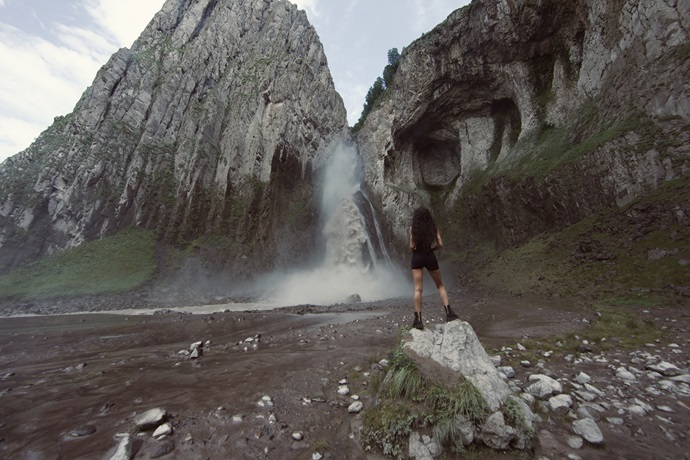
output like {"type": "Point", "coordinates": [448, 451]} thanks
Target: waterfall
{"type": "Point", "coordinates": [355, 259]}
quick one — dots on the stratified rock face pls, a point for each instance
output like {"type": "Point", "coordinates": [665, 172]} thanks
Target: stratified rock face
{"type": "Point", "coordinates": [474, 93]}
{"type": "Point", "coordinates": [212, 124]}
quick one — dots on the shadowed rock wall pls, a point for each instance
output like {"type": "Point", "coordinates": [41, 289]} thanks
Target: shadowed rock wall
{"type": "Point", "coordinates": [529, 115]}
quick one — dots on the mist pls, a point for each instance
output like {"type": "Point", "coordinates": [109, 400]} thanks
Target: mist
{"type": "Point", "coordinates": [355, 260]}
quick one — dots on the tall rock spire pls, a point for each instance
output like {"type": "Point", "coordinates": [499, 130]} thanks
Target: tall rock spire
{"type": "Point", "coordinates": [212, 123]}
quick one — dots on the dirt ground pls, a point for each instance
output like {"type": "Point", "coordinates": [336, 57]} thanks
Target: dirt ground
{"type": "Point", "coordinates": [70, 385]}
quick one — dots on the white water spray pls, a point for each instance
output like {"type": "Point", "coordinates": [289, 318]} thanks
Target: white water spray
{"type": "Point", "coordinates": [356, 260]}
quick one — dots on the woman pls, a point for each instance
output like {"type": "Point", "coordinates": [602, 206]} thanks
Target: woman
{"type": "Point", "coordinates": [425, 238]}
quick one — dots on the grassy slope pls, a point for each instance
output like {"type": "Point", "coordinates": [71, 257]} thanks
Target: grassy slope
{"type": "Point", "coordinates": [606, 257]}
{"type": "Point", "coordinates": [111, 265]}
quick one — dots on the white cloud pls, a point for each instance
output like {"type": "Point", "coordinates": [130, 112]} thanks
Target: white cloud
{"type": "Point", "coordinates": [43, 81]}
{"type": "Point", "coordinates": [46, 79]}
{"type": "Point", "coordinates": [124, 20]}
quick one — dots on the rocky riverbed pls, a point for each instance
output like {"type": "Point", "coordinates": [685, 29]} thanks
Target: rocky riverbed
{"type": "Point", "coordinates": [296, 382]}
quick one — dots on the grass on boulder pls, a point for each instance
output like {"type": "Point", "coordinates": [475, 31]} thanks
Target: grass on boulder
{"type": "Point", "coordinates": [108, 266]}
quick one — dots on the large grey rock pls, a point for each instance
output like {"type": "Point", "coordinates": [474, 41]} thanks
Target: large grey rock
{"type": "Point", "coordinates": [495, 433]}
{"type": "Point", "coordinates": [665, 368]}
{"type": "Point", "coordinates": [560, 404]}
{"type": "Point", "coordinates": [455, 346]}
{"type": "Point", "coordinates": [125, 449]}
{"type": "Point", "coordinates": [588, 429]}
{"type": "Point", "coordinates": [543, 386]}
{"type": "Point", "coordinates": [421, 447]}
{"type": "Point", "coordinates": [152, 418]}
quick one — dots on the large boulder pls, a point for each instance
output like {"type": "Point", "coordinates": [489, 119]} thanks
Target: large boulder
{"type": "Point", "coordinates": [455, 346]}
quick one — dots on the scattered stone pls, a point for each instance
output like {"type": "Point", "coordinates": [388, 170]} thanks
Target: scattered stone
{"type": "Point", "coordinates": [356, 407]}
{"type": "Point", "coordinates": [343, 390]}
{"type": "Point", "coordinates": [84, 430]}
{"type": "Point", "coordinates": [265, 401]}
{"type": "Point", "coordinates": [465, 430]}
{"type": "Point", "coordinates": [297, 435]}
{"type": "Point", "coordinates": [624, 374]}
{"type": "Point", "coordinates": [543, 387]}
{"type": "Point", "coordinates": [525, 363]}
{"type": "Point", "coordinates": [496, 360]}
{"type": "Point", "coordinates": [560, 404]}
{"type": "Point", "coordinates": [667, 409]}
{"type": "Point", "coordinates": [614, 420]}
{"type": "Point", "coordinates": [150, 419]}
{"type": "Point", "coordinates": [316, 456]}
{"type": "Point", "coordinates": [521, 347]}
{"type": "Point", "coordinates": [163, 430]}
{"type": "Point", "coordinates": [575, 442]}
{"type": "Point", "coordinates": [582, 378]}
{"type": "Point", "coordinates": [588, 429]}
{"type": "Point", "coordinates": [508, 371]}
{"type": "Point", "coordinates": [238, 418]}
{"type": "Point", "coordinates": [665, 368]}
{"type": "Point", "coordinates": [161, 448]}
{"type": "Point", "coordinates": [125, 449]}
{"type": "Point", "coordinates": [495, 433]}
{"type": "Point", "coordinates": [423, 447]}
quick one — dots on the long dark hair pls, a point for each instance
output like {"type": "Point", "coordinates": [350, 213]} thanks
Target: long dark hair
{"type": "Point", "coordinates": [423, 229]}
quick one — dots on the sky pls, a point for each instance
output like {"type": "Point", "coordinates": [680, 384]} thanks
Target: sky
{"type": "Point", "coordinates": [50, 50]}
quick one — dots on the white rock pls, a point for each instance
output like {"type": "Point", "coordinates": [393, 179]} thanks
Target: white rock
{"type": "Point", "coordinates": [124, 449]}
{"type": "Point", "coordinates": [343, 390]}
{"type": "Point", "coordinates": [637, 410]}
{"type": "Point", "coordinates": [297, 435]}
{"type": "Point", "coordinates": [508, 371]}
{"type": "Point", "coordinates": [237, 418]}
{"type": "Point", "coordinates": [560, 404]}
{"type": "Point", "coordinates": [163, 430]}
{"type": "Point", "coordinates": [624, 374]}
{"type": "Point", "coordinates": [496, 360]}
{"type": "Point", "coordinates": [666, 409]}
{"type": "Point", "coordinates": [356, 407]}
{"type": "Point", "coordinates": [585, 395]}
{"type": "Point", "coordinates": [575, 442]}
{"type": "Point", "coordinates": [316, 456]}
{"type": "Point", "coordinates": [582, 378]}
{"type": "Point", "coordinates": [495, 433]}
{"type": "Point", "coordinates": [455, 345]}
{"type": "Point", "coordinates": [521, 347]}
{"type": "Point", "coordinates": [150, 419]}
{"type": "Point", "coordinates": [528, 398]}
{"type": "Point", "coordinates": [665, 368]}
{"type": "Point", "coordinates": [614, 420]}
{"type": "Point", "coordinates": [588, 429]}
{"type": "Point", "coordinates": [543, 386]}
{"type": "Point", "coordinates": [685, 378]}
{"type": "Point", "coordinates": [595, 390]}
{"type": "Point", "coordinates": [343, 382]}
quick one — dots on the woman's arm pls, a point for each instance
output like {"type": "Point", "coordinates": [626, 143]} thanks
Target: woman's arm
{"type": "Point", "coordinates": [411, 241]}
{"type": "Point", "coordinates": [439, 241]}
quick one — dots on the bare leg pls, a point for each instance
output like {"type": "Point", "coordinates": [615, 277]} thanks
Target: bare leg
{"type": "Point", "coordinates": [418, 278]}
{"type": "Point", "coordinates": [443, 294]}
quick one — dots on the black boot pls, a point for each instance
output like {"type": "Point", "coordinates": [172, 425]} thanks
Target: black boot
{"type": "Point", "coordinates": [417, 323]}
{"type": "Point", "coordinates": [450, 314]}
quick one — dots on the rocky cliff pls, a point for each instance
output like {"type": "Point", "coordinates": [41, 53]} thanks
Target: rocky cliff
{"type": "Point", "coordinates": [211, 125]}
{"type": "Point", "coordinates": [515, 117]}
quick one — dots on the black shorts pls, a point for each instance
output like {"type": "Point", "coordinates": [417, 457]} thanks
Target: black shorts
{"type": "Point", "coordinates": [424, 260]}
